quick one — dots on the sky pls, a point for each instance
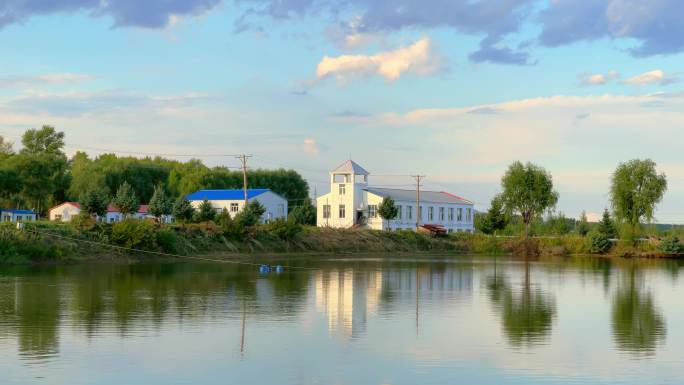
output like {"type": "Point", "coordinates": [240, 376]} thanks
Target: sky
{"type": "Point", "coordinates": [452, 89]}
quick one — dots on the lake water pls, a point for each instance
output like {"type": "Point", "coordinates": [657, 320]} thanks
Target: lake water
{"type": "Point", "coordinates": [469, 320]}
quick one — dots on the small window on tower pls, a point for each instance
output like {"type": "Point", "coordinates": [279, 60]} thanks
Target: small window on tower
{"type": "Point", "coordinates": [342, 189]}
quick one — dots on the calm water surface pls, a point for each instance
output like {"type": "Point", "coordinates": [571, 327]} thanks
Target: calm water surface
{"type": "Point", "coordinates": [364, 321]}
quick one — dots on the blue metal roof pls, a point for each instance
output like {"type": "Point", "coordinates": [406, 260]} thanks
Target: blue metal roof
{"type": "Point", "coordinates": [15, 211]}
{"type": "Point", "coordinates": [225, 195]}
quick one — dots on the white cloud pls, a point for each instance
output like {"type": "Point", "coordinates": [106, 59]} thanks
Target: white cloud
{"type": "Point", "coordinates": [19, 81]}
{"type": "Point", "coordinates": [598, 79]}
{"type": "Point", "coordinates": [652, 77]}
{"type": "Point", "coordinates": [419, 58]}
{"type": "Point", "coordinates": [310, 147]}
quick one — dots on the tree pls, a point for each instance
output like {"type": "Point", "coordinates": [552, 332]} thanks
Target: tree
{"type": "Point", "coordinates": [496, 218]}
{"type": "Point", "coordinates": [305, 214]}
{"type": "Point", "coordinates": [635, 190]}
{"type": "Point", "coordinates": [527, 191]}
{"type": "Point", "coordinates": [94, 202]}
{"type": "Point", "coordinates": [205, 212]}
{"type": "Point", "coordinates": [182, 210]}
{"type": "Point", "coordinates": [43, 141]}
{"type": "Point", "coordinates": [159, 203]}
{"type": "Point", "coordinates": [5, 149]}
{"type": "Point", "coordinates": [583, 225]}
{"type": "Point", "coordinates": [250, 215]}
{"type": "Point", "coordinates": [125, 200]}
{"type": "Point", "coordinates": [606, 225]}
{"type": "Point", "coordinates": [387, 209]}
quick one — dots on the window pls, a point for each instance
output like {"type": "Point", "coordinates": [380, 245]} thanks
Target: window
{"type": "Point", "coordinates": [451, 214]}
{"type": "Point", "coordinates": [234, 207]}
{"type": "Point", "coordinates": [342, 212]}
{"type": "Point", "coordinates": [459, 215]}
{"type": "Point", "coordinates": [372, 211]}
{"type": "Point", "coordinates": [409, 212]}
{"type": "Point", "coordinates": [326, 211]}
{"type": "Point", "coordinates": [441, 214]}
{"type": "Point", "coordinates": [342, 189]}
{"type": "Point", "coordinates": [431, 213]}
{"type": "Point", "coordinates": [468, 215]}
{"type": "Point", "coordinates": [399, 212]}
{"type": "Point", "coordinates": [20, 218]}
{"type": "Point", "coordinates": [58, 217]}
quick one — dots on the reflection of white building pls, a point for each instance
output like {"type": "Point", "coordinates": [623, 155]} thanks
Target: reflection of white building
{"type": "Point", "coordinates": [346, 297]}
{"type": "Point", "coordinates": [351, 202]}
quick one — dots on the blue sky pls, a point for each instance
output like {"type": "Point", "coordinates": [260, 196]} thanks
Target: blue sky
{"type": "Point", "coordinates": [455, 89]}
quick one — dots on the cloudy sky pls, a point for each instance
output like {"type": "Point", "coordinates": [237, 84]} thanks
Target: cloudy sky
{"type": "Point", "coordinates": [454, 89]}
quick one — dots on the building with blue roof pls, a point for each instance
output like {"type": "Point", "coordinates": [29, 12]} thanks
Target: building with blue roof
{"type": "Point", "coordinates": [16, 215]}
{"type": "Point", "coordinates": [233, 201]}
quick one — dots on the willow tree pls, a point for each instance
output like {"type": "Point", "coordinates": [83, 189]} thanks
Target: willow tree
{"type": "Point", "coordinates": [635, 190]}
{"type": "Point", "coordinates": [528, 192]}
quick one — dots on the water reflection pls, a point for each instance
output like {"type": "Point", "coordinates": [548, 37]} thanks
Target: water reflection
{"type": "Point", "coordinates": [527, 314]}
{"type": "Point", "coordinates": [638, 326]}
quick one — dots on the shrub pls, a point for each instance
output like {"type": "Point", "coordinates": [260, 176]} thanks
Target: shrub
{"type": "Point", "coordinates": [285, 230]}
{"type": "Point", "coordinates": [167, 241]}
{"type": "Point", "coordinates": [83, 222]}
{"type": "Point", "coordinates": [671, 245]}
{"type": "Point", "coordinates": [134, 234]}
{"type": "Point", "coordinates": [599, 243]}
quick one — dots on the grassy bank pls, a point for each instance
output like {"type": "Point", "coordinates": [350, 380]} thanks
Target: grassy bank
{"type": "Point", "coordinates": [49, 242]}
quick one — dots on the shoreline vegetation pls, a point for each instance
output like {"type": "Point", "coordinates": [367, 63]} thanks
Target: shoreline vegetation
{"type": "Point", "coordinates": [133, 240]}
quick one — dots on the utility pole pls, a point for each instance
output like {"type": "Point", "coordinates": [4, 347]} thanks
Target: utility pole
{"type": "Point", "coordinates": [418, 178]}
{"type": "Point", "coordinates": [243, 158]}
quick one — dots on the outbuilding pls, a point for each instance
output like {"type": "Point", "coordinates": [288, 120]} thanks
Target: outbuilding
{"type": "Point", "coordinates": [234, 201]}
{"type": "Point", "coordinates": [15, 215]}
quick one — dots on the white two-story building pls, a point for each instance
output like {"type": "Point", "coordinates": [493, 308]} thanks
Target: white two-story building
{"type": "Point", "coordinates": [351, 202]}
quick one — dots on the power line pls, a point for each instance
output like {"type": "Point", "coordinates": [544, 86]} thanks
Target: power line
{"type": "Point", "coordinates": [418, 178]}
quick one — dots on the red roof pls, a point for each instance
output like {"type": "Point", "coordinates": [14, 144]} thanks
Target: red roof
{"type": "Point", "coordinates": [75, 204]}
{"type": "Point", "coordinates": [456, 196]}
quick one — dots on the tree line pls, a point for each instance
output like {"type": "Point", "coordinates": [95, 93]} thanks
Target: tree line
{"type": "Point", "coordinates": [40, 175]}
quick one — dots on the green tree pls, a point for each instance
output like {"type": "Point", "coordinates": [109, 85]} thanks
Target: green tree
{"type": "Point", "coordinates": [249, 216]}
{"type": "Point", "coordinates": [496, 216]}
{"type": "Point", "coordinates": [5, 149]}
{"type": "Point", "coordinates": [182, 210]}
{"type": "Point", "coordinates": [159, 203]}
{"type": "Point", "coordinates": [583, 225]}
{"type": "Point", "coordinates": [304, 214]}
{"type": "Point", "coordinates": [43, 141]}
{"type": "Point", "coordinates": [527, 191]}
{"type": "Point", "coordinates": [387, 209]}
{"type": "Point", "coordinates": [125, 200]}
{"type": "Point", "coordinates": [205, 212]}
{"type": "Point", "coordinates": [606, 226]}
{"type": "Point", "coordinates": [94, 202]}
{"type": "Point", "coordinates": [635, 190]}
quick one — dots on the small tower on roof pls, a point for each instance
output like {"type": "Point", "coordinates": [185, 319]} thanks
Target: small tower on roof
{"type": "Point", "coordinates": [347, 184]}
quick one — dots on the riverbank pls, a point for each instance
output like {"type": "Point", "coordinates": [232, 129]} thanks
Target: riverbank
{"type": "Point", "coordinates": [49, 242]}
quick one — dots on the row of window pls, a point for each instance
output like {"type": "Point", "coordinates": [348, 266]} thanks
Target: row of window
{"type": "Point", "coordinates": [373, 213]}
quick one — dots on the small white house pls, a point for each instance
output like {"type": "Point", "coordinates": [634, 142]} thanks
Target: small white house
{"type": "Point", "coordinates": [234, 201]}
{"type": "Point", "coordinates": [64, 212]}
{"type": "Point", "coordinates": [14, 215]}
{"type": "Point", "coordinates": [352, 203]}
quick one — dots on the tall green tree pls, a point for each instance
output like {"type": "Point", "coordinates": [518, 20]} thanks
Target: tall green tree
{"type": "Point", "coordinates": [387, 209]}
{"type": "Point", "coordinates": [636, 188]}
{"type": "Point", "coordinates": [205, 212]}
{"type": "Point", "coordinates": [6, 149]}
{"type": "Point", "coordinates": [496, 215]}
{"type": "Point", "coordinates": [43, 141]}
{"type": "Point", "coordinates": [583, 225]}
{"type": "Point", "coordinates": [94, 202]}
{"type": "Point", "coordinates": [250, 215]}
{"type": "Point", "coordinates": [606, 226]}
{"type": "Point", "coordinates": [304, 214]}
{"type": "Point", "coordinates": [125, 200]}
{"type": "Point", "coordinates": [183, 211]}
{"type": "Point", "coordinates": [528, 192]}
{"type": "Point", "coordinates": [159, 203]}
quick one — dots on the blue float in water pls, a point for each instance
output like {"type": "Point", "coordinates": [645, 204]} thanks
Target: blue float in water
{"type": "Point", "coordinates": [279, 269]}
{"type": "Point", "coordinates": [264, 269]}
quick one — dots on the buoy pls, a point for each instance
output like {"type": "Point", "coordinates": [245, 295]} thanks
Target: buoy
{"type": "Point", "coordinates": [264, 269]}
{"type": "Point", "coordinates": [279, 269]}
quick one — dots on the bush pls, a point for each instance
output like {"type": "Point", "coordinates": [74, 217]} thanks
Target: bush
{"type": "Point", "coordinates": [599, 243]}
{"type": "Point", "coordinates": [671, 245]}
{"type": "Point", "coordinates": [83, 222]}
{"type": "Point", "coordinates": [167, 241]}
{"type": "Point", "coordinates": [285, 230]}
{"type": "Point", "coordinates": [134, 233]}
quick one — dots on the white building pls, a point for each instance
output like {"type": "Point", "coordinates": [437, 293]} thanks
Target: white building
{"type": "Point", "coordinates": [352, 203]}
{"type": "Point", "coordinates": [66, 211]}
{"type": "Point", "coordinates": [13, 215]}
{"type": "Point", "coordinates": [234, 201]}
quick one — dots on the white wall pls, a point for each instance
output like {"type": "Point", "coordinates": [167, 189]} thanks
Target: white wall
{"type": "Point", "coordinates": [275, 205]}
{"type": "Point", "coordinates": [64, 211]}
